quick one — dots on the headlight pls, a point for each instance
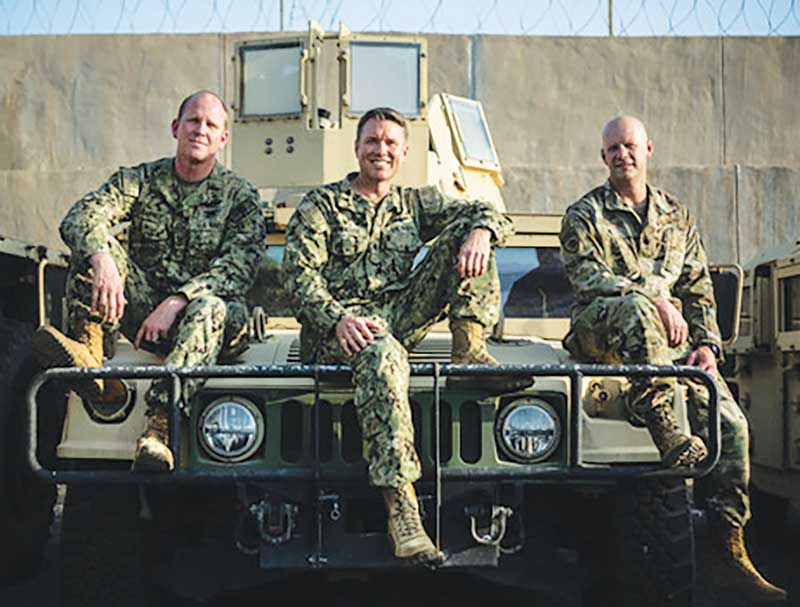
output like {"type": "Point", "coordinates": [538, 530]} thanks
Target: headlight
{"type": "Point", "coordinates": [528, 430]}
{"type": "Point", "coordinates": [231, 429]}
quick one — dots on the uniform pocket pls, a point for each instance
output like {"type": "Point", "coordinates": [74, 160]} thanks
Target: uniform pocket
{"type": "Point", "coordinates": [150, 242]}
{"type": "Point", "coordinates": [402, 236]}
{"type": "Point", "coordinates": [349, 242]}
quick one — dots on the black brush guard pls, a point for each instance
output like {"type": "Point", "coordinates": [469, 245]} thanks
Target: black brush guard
{"type": "Point", "coordinates": [576, 471]}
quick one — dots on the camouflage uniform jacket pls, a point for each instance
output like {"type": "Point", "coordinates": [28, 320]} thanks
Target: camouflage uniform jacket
{"type": "Point", "coordinates": [609, 251]}
{"type": "Point", "coordinates": [343, 250]}
{"type": "Point", "coordinates": [197, 239]}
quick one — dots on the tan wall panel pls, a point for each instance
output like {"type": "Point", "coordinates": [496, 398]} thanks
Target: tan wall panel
{"type": "Point", "coordinates": [769, 208]}
{"type": "Point", "coordinates": [762, 100]}
{"type": "Point", "coordinates": [32, 203]}
{"type": "Point", "coordinates": [548, 98]}
{"type": "Point", "coordinates": [73, 101]}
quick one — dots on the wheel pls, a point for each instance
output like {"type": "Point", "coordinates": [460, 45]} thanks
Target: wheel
{"type": "Point", "coordinates": [637, 547]}
{"type": "Point", "coordinates": [655, 537]}
{"type": "Point", "coordinates": [26, 503]}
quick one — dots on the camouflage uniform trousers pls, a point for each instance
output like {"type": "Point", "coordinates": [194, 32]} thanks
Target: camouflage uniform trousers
{"type": "Point", "coordinates": [627, 329]}
{"type": "Point", "coordinates": [381, 370]}
{"type": "Point", "coordinates": [206, 328]}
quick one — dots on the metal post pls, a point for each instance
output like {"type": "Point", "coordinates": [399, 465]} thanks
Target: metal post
{"type": "Point", "coordinates": [281, 9]}
{"type": "Point", "coordinates": [438, 456]}
{"type": "Point", "coordinates": [611, 18]}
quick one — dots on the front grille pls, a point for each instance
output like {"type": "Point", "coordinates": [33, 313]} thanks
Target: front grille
{"type": "Point", "coordinates": [426, 352]}
{"type": "Point", "coordinates": [340, 434]}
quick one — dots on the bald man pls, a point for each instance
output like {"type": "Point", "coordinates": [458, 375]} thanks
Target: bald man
{"type": "Point", "coordinates": [644, 296]}
{"type": "Point", "coordinates": [175, 284]}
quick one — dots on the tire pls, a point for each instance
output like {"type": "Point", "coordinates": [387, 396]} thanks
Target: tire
{"type": "Point", "coordinates": [26, 502]}
{"type": "Point", "coordinates": [637, 547]}
{"type": "Point", "coordinates": [655, 538]}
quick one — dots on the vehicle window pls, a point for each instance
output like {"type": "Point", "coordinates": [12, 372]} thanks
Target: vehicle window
{"type": "Point", "coordinates": [474, 130]}
{"type": "Point", "coordinates": [270, 80]}
{"type": "Point", "coordinates": [791, 307]}
{"type": "Point", "coordinates": [384, 75]}
{"type": "Point", "coordinates": [533, 283]}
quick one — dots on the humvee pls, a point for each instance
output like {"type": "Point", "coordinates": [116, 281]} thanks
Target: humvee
{"type": "Point", "coordinates": [542, 487]}
{"type": "Point", "coordinates": [762, 369]}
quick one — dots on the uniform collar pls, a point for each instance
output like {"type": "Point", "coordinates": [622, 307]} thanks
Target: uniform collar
{"type": "Point", "coordinates": [655, 198]}
{"type": "Point", "coordinates": [391, 200]}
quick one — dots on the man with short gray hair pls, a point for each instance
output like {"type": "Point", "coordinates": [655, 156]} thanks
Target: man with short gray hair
{"type": "Point", "coordinates": [644, 296]}
{"type": "Point", "coordinates": [176, 283]}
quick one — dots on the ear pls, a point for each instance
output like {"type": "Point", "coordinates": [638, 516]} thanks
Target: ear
{"type": "Point", "coordinates": [649, 148]}
{"type": "Point", "coordinates": [223, 139]}
{"type": "Point", "coordinates": [175, 124]}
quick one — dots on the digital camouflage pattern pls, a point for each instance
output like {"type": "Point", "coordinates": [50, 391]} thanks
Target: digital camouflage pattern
{"type": "Point", "coordinates": [609, 251]}
{"type": "Point", "coordinates": [197, 239]}
{"type": "Point", "coordinates": [346, 255]}
{"type": "Point", "coordinates": [203, 240]}
{"type": "Point", "coordinates": [617, 265]}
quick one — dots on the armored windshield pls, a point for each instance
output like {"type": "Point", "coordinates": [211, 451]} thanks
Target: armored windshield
{"type": "Point", "coordinates": [533, 283]}
{"type": "Point", "coordinates": [270, 80]}
{"type": "Point", "coordinates": [385, 75]}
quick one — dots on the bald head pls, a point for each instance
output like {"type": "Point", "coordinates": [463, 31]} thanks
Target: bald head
{"type": "Point", "coordinates": [627, 124]}
{"type": "Point", "coordinates": [625, 151]}
{"type": "Point", "coordinates": [188, 101]}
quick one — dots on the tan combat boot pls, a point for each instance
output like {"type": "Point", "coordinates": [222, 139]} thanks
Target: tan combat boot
{"type": "Point", "coordinates": [676, 448]}
{"type": "Point", "coordinates": [469, 348]}
{"type": "Point", "coordinates": [54, 349]}
{"type": "Point", "coordinates": [406, 534]}
{"type": "Point", "coordinates": [730, 567]}
{"type": "Point", "coordinates": [152, 453]}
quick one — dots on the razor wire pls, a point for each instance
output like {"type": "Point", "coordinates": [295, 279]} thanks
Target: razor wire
{"type": "Point", "coordinates": [504, 17]}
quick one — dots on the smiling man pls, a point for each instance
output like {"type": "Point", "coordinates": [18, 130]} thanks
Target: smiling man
{"type": "Point", "coordinates": [350, 250]}
{"type": "Point", "coordinates": [175, 282]}
{"type": "Point", "coordinates": [644, 295]}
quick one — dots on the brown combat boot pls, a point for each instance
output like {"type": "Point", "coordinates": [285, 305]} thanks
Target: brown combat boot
{"type": "Point", "coordinates": [676, 448]}
{"type": "Point", "coordinates": [54, 349]}
{"type": "Point", "coordinates": [152, 453]}
{"type": "Point", "coordinates": [406, 534]}
{"type": "Point", "coordinates": [730, 567]}
{"type": "Point", "coordinates": [469, 348]}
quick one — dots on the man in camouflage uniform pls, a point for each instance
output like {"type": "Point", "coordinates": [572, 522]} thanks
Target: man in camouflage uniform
{"type": "Point", "coordinates": [176, 286]}
{"type": "Point", "coordinates": [644, 295]}
{"type": "Point", "coordinates": [350, 248]}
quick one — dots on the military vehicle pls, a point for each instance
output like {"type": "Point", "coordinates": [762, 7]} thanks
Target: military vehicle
{"type": "Point", "coordinates": [31, 288]}
{"type": "Point", "coordinates": [542, 488]}
{"type": "Point", "coordinates": [762, 368]}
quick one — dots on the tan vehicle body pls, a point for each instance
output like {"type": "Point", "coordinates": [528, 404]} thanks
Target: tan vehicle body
{"type": "Point", "coordinates": [764, 367]}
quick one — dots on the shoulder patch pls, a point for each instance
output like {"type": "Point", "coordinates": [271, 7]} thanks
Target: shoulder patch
{"type": "Point", "coordinates": [129, 182]}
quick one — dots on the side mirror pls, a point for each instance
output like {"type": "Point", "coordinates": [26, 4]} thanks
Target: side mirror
{"type": "Point", "coordinates": [728, 282]}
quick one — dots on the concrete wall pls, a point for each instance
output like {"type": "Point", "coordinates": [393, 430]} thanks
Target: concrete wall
{"type": "Point", "coordinates": [722, 113]}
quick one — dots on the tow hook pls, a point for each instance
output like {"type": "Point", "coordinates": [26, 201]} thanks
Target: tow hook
{"type": "Point", "coordinates": [266, 519]}
{"type": "Point", "coordinates": [494, 533]}
{"type": "Point", "coordinates": [275, 520]}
